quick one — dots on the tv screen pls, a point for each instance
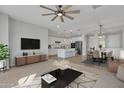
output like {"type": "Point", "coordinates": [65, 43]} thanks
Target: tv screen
{"type": "Point", "coordinates": [28, 43]}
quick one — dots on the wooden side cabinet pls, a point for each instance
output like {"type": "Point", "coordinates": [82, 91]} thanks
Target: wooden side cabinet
{"type": "Point", "coordinates": [43, 57]}
{"type": "Point", "coordinates": [21, 61]}
{"type": "Point", "coordinates": [33, 59]}
{"type": "Point", "coordinates": [24, 60]}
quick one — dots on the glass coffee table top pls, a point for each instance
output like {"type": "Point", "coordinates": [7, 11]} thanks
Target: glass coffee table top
{"type": "Point", "coordinates": [63, 78]}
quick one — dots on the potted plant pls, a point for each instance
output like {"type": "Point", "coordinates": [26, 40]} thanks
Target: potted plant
{"type": "Point", "coordinates": [4, 54]}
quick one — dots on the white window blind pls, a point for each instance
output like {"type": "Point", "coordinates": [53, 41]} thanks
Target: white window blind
{"type": "Point", "coordinates": [113, 41]}
{"type": "Point", "coordinates": [90, 42]}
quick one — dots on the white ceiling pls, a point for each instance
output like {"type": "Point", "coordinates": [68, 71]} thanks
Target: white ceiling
{"type": "Point", "coordinates": [87, 21]}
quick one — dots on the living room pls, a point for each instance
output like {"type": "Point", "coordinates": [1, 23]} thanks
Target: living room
{"type": "Point", "coordinates": [85, 50]}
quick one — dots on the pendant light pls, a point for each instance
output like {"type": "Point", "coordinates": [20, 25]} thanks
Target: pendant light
{"type": "Point", "coordinates": [100, 34]}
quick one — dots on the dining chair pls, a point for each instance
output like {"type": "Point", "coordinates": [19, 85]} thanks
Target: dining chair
{"type": "Point", "coordinates": [96, 56]}
{"type": "Point", "coordinates": [109, 55]}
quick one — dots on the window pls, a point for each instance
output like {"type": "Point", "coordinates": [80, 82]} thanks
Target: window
{"type": "Point", "coordinates": [90, 41]}
{"type": "Point", "coordinates": [114, 40]}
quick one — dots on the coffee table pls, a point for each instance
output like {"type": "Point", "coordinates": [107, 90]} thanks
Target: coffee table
{"type": "Point", "coordinates": [64, 78]}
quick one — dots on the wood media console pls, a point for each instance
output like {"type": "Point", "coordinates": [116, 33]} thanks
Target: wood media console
{"type": "Point", "coordinates": [24, 60]}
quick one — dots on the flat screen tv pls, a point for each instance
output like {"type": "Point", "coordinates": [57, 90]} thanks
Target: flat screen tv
{"type": "Point", "coordinates": [28, 43]}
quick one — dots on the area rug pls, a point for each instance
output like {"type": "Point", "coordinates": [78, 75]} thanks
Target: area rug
{"type": "Point", "coordinates": [86, 80]}
{"type": "Point", "coordinates": [90, 62]}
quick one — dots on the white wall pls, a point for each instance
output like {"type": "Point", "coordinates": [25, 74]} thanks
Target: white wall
{"type": "Point", "coordinates": [20, 29]}
{"type": "Point", "coordinates": [84, 45]}
{"type": "Point", "coordinates": [4, 34]}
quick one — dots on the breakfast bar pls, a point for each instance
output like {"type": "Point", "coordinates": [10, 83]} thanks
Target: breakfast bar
{"type": "Point", "coordinates": [65, 53]}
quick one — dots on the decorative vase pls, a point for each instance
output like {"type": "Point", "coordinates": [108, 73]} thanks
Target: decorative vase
{"type": "Point", "coordinates": [2, 63]}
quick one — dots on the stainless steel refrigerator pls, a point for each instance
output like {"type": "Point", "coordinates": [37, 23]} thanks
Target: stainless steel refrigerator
{"type": "Point", "coordinates": [78, 47]}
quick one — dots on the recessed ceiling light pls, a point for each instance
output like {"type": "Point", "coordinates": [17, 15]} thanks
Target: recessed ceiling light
{"type": "Point", "coordinates": [70, 30]}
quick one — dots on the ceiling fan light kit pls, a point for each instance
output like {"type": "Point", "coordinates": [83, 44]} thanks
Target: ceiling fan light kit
{"type": "Point", "coordinates": [61, 12]}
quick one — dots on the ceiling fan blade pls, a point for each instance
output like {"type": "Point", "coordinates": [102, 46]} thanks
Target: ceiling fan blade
{"type": "Point", "coordinates": [61, 17]}
{"type": "Point", "coordinates": [69, 17]}
{"type": "Point", "coordinates": [73, 12]}
{"type": "Point", "coordinates": [47, 8]}
{"type": "Point", "coordinates": [54, 18]}
{"type": "Point", "coordinates": [58, 8]}
{"type": "Point", "coordinates": [67, 7]}
{"type": "Point", "coordinates": [48, 14]}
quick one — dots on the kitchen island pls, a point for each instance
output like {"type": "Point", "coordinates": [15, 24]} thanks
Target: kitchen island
{"type": "Point", "coordinates": [65, 53]}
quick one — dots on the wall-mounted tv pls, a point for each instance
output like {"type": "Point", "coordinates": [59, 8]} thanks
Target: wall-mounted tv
{"type": "Point", "coordinates": [28, 43]}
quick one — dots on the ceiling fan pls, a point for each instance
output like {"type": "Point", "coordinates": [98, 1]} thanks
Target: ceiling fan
{"type": "Point", "coordinates": [61, 11]}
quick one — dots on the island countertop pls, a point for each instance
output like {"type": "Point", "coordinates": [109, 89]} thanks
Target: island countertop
{"type": "Point", "coordinates": [65, 53]}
